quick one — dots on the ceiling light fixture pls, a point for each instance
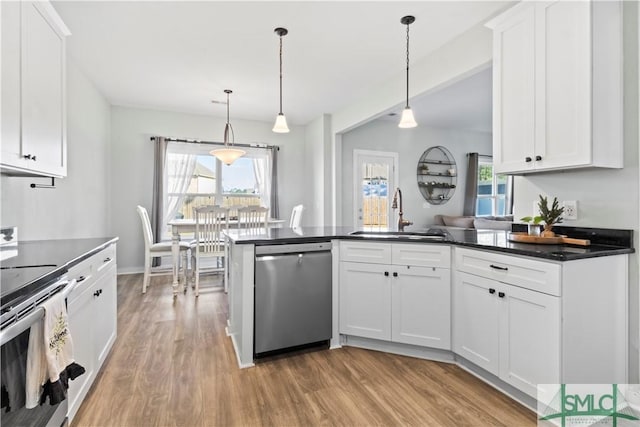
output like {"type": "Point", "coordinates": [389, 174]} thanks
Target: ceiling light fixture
{"type": "Point", "coordinates": [407, 120]}
{"type": "Point", "coordinates": [228, 154]}
{"type": "Point", "coordinates": [281, 121]}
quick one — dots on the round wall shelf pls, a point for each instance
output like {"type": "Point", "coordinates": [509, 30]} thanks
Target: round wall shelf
{"type": "Point", "coordinates": [437, 175]}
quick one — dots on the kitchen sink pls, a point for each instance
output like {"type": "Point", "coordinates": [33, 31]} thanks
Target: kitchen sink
{"type": "Point", "coordinates": [429, 235]}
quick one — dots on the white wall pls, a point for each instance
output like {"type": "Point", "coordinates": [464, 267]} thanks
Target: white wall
{"type": "Point", "coordinates": [78, 207]}
{"type": "Point", "coordinates": [384, 135]}
{"type": "Point", "coordinates": [132, 165]}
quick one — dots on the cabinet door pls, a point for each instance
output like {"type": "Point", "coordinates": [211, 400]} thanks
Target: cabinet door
{"type": "Point", "coordinates": [10, 75]}
{"type": "Point", "coordinates": [421, 301]}
{"type": "Point", "coordinates": [476, 321]}
{"type": "Point", "coordinates": [529, 338]}
{"type": "Point", "coordinates": [365, 300]}
{"type": "Point", "coordinates": [106, 314]}
{"type": "Point", "coordinates": [81, 319]}
{"type": "Point", "coordinates": [563, 85]}
{"type": "Point", "coordinates": [43, 89]}
{"type": "Point", "coordinates": [514, 91]}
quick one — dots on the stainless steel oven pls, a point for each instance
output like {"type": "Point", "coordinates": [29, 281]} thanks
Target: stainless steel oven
{"type": "Point", "coordinates": [16, 318]}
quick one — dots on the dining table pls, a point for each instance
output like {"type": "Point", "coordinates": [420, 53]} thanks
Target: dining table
{"type": "Point", "coordinates": [187, 226]}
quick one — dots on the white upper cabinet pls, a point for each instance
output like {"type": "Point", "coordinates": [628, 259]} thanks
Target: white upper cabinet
{"type": "Point", "coordinates": [33, 90]}
{"type": "Point", "coordinates": [557, 86]}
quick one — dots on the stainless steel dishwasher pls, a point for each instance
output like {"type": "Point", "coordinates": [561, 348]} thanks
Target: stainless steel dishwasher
{"type": "Point", "coordinates": [292, 295]}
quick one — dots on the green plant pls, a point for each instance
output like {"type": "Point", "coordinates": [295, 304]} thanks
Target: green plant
{"type": "Point", "coordinates": [551, 215]}
{"type": "Point", "coordinates": [532, 219]}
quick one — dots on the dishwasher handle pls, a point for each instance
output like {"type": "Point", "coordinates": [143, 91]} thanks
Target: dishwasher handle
{"type": "Point", "coordinates": [298, 248]}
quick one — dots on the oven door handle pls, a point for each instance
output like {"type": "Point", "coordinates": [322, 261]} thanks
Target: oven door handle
{"type": "Point", "coordinates": [12, 331]}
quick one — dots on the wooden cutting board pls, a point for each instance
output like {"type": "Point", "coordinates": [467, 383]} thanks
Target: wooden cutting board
{"type": "Point", "coordinates": [558, 239]}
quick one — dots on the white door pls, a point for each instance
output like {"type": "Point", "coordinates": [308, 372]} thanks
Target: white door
{"type": "Point", "coordinates": [476, 320]}
{"type": "Point", "coordinates": [365, 300]}
{"type": "Point", "coordinates": [421, 301]}
{"type": "Point", "coordinates": [529, 338]}
{"type": "Point", "coordinates": [514, 91]}
{"type": "Point", "coordinates": [374, 178]}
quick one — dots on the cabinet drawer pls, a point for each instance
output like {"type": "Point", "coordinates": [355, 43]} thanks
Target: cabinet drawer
{"type": "Point", "coordinates": [527, 273]}
{"type": "Point", "coordinates": [105, 258]}
{"type": "Point", "coordinates": [421, 255]}
{"type": "Point", "coordinates": [371, 252]}
{"type": "Point", "coordinates": [82, 272]}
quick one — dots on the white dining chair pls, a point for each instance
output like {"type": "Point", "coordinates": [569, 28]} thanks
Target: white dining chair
{"type": "Point", "coordinates": [153, 250]}
{"type": "Point", "coordinates": [296, 216]}
{"type": "Point", "coordinates": [252, 217]}
{"type": "Point", "coordinates": [211, 222]}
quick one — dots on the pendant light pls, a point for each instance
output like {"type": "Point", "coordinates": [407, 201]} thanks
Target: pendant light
{"type": "Point", "coordinates": [407, 120]}
{"type": "Point", "coordinates": [281, 121]}
{"type": "Point", "coordinates": [228, 154]}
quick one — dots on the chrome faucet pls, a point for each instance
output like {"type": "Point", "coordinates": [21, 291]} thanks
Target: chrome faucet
{"type": "Point", "coordinates": [402, 223]}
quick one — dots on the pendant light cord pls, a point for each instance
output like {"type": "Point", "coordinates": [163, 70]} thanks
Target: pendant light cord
{"type": "Point", "coordinates": [228, 127]}
{"type": "Point", "coordinates": [407, 106]}
{"type": "Point", "coordinates": [280, 75]}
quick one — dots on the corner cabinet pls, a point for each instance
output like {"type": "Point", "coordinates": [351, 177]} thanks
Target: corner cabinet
{"type": "Point", "coordinates": [33, 90]}
{"type": "Point", "coordinates": [557, 86]}
{"type": "Point", "coordinates": [396, 292]}
{"type": "Point", "coordinates": [532, 322]}
{"type": "Point", "coordinates": [92, 319]}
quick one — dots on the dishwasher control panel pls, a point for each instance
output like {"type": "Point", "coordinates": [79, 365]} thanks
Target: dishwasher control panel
{"type": "Point", "coordinates": [293, 248]}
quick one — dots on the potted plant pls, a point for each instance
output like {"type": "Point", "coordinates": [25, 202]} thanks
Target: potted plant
{"type": "Point", "coordinates": [549, 215]}
{"type": "Point", "coordinates": [533, 224]}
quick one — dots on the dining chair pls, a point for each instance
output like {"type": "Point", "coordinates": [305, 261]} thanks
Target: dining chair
{"type": "Point", "coordinates": [296, 216]}
{"type": "Point", "coordinates": [233, 211]}
{"type": "Point", "coordinates": [252, 217]}
{"type": "Point", "coordinates": [153, 250]}
{"type": "Point", "coordinates": [211, 222]}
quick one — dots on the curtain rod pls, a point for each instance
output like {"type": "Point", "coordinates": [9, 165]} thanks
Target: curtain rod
{"type": "Point", "coordinates": [196, 141]}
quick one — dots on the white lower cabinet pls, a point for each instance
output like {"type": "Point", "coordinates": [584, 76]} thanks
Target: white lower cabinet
{"type": "Point", "coordinates": [531, 322]}
{"type": "Point", "coordinates": [512, 332]}
{"type": "Point", "coordinates": [92, 320]}
{"type": "Point", "coordinates": [392, 298]}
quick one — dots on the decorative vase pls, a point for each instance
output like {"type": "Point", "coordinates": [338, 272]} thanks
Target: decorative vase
{"type": "Point", "coordinates": [533, 229]}
{"type": "Point", "coordinates": [547, 231]}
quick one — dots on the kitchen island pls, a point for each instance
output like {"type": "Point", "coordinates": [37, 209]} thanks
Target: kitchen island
{"type": "Point", "coordinates": [514, 314]}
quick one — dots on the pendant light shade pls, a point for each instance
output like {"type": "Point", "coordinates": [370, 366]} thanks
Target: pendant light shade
{"type": "Point", "coordinates": [281, 121]}
{"type": "Point", "coordinates": [228, 154]}
{"type": "Point", "coordinates": [407, 120]}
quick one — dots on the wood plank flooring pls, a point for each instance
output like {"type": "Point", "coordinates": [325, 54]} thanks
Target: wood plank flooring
{"type": "Point", "coordinates": [173, 365]}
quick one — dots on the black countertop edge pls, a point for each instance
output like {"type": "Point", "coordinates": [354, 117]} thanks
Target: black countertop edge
{"type": "Point", "coordinates": [549, 255]}
{"type": "Point", "coordinates": [56, 272]}
{"type": "Point", "coordinates": [464, 238]}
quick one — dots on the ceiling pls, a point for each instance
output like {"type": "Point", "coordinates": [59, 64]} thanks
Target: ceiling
{"type": "Point", "coordinates": [181, 55]}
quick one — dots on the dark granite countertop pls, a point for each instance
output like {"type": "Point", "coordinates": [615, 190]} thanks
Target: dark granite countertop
{"type": "Point", "coordinates": [604, 242]}
{"type": "Point", "coordinates": [30, 264]}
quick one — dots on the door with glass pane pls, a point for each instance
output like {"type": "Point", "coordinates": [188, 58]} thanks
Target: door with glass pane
{"type": "Point", "coordinates": [374, 182]}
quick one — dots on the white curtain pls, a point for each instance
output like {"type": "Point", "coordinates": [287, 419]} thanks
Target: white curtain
{"type": "Point", "coordinates": [262, 171]}
{"type": "Point", "coordinates": [179, 168]}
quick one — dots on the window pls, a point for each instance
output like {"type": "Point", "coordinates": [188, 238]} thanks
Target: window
{"type": "Point", "coordinates": [491, 191]}
{"type": "Point", "coordinates": [194, 178]}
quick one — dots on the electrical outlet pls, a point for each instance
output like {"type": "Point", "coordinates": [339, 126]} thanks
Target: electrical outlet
{"type": "Point", "coordinates": [570, 209]}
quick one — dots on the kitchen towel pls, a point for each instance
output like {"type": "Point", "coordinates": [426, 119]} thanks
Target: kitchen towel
{"type": "Point", "coordinates": [50, 363]}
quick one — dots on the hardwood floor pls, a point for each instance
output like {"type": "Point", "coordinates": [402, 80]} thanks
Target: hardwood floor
{"type": "Point", "coordinates": [173, 365]}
